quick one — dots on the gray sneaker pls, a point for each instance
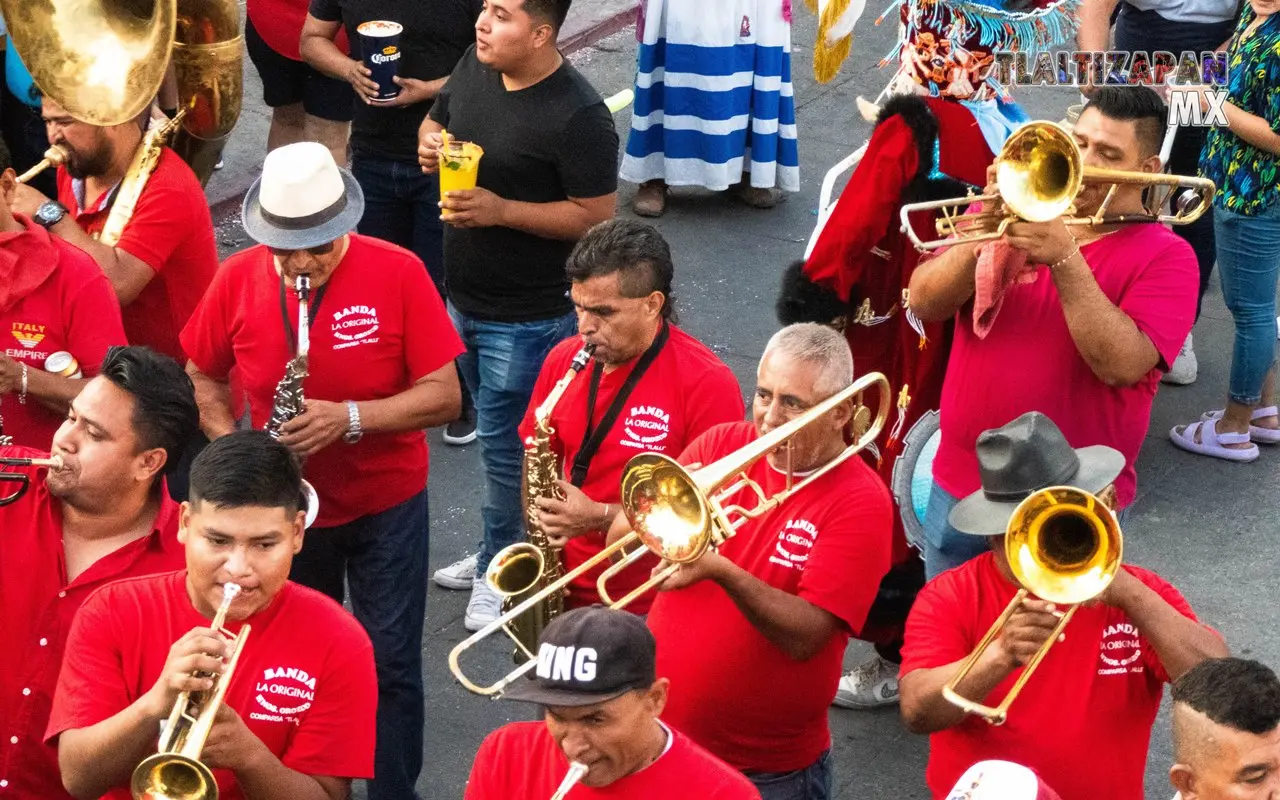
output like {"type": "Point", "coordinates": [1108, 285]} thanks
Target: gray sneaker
{"type": "Point", "coordinates": [872, 684]}
{"type": "Point", "coordinates": [485, 606]}
{"type": "Point", "coordinates": [459, 575]}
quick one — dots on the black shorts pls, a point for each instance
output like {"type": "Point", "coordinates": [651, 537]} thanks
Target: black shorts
{"type": "Point", "coordinates": [286, 82]}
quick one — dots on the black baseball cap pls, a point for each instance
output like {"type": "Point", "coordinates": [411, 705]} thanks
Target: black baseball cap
{"type": "Point", "coordinates": [588, 656]}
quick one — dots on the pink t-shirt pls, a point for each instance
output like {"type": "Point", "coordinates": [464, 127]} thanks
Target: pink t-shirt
{"type": "Point", "coordinates": [1029, 362]}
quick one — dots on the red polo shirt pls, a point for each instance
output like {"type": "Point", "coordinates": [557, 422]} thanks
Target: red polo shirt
{"type": "Point", "coordinates": [53, 298]}
{"type": "Point", "coordinates": [172, 233]}
{"type": "Point", "coordinates": [279, 23]}
{"type": "Point", "coordinates": [379, 328]}
{"type": "Point", "coordinates": [830, 544]}
{"type": "Point", "coordinates": [522, 760]}
{"type": "Point", "coordinates": [310, 699]}
{"type": "Point", "coordinates": [1083, 721]}
{"type": "Point", "coordinates": [37, 604]}
{"type": "Point", "coordinates": [685, 391]}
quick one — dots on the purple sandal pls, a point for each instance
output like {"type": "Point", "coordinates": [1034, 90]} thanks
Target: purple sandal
{"type": "Point", "coordinates": [1212, 443]}
{"type": "Point", "coordinates": [1257, 434]}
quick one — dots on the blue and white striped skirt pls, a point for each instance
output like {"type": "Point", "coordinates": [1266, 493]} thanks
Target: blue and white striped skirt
{"type": "Point", "coordinates": [714, 97]}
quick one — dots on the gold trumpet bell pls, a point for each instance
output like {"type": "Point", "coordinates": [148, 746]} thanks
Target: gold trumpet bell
{"type": "Point", "coordinates": [168, 776]}
{"type": "Point", "coordinates": [1039, 172]}
{"type": "Point", "coordinates": [666, 507]}
{"type": "Point", "coordinates": [1064, 545]}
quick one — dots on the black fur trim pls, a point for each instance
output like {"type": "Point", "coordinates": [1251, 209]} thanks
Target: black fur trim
{"type": "Point", "coordinates": [802, 300]}
{"type": "Point", "coordinates": [915, 112]}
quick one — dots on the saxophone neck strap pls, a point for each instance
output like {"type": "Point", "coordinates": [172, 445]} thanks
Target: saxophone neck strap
{"type": "Point", "coordinates": [289, 333]}
{"type": "Point", "coordinates": [594, 435]}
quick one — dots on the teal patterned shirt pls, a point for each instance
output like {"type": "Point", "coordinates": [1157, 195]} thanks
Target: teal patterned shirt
{"type": "Point", "coordinates": [1248, 179]}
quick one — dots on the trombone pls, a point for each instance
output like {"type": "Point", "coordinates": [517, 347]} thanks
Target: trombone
{"type": "Point", "coordinates": [21, 478]}
{"type": "Point", "coordinates": [677, 513]}
{"type": "Point", "coordinates": [1064, 546]}
{"type": "Point", "coordinates": [1039, 174]}
{"type": "Point", "coordinates": [175, 771]}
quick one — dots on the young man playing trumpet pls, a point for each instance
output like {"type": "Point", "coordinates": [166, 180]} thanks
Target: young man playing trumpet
{"type": "Point", "coordinates": [297, 719]}
{"type": "Point", "coordinates": [601, 696]}
{"type": "Point", "coordinates": [1083, 719]}
{"type": "Point", "coordinates": [100, 516]}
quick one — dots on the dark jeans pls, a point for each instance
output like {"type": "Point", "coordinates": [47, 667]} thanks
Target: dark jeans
{"type": "Point", "coordinates": [501, 365]}
{"type": "Point", "coordinates": [402, 206]}
{"type": "Point", "coordinates": [1148, 32]}
{"type": "Point", "coordinates": [811, 783]}
{"type": "Point", "coordinates": [384, 559]}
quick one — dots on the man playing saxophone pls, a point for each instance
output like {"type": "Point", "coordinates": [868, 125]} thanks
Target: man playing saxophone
{"type": "Point", "coordinates": [651, 387]}
{"type": "Point", "coordinates": [602, 700]}
{"type": "Point", "coordinates": [297, 719]}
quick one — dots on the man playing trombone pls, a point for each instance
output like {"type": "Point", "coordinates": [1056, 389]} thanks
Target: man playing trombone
{"type": "Point", "coordinates": [297, 718]}
{"type": "Point", "coordinates": [1083, 721]}
{"type": "Point", "coordinates": [753, 635]}
{"type": "Point", "coordinates": [1091, 319]}
{"type": "Point", "coordinates": [99, 514]}
{"type": "Point", "coordinates": [601, 697]}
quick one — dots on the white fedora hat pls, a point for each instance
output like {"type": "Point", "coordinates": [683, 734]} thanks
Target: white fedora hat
{"type": "Point", "coordinates": [1000, 780]}
{"type": "Point", "coordinates": [302, 199]}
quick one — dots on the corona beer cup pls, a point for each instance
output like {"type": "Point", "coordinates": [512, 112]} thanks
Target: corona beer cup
{"type": "Point", "coordinates": [380, 46]}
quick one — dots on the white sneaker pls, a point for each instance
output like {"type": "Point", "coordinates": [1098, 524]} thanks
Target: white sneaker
{"type": "Point", "coordinates": [459, 575]}
{"type": "Point", "coordinates": [485, 606]}
{"type": "Point", "coordinates": [1185, 367]}
{"type": "Point", "coordinates": [871, 684]}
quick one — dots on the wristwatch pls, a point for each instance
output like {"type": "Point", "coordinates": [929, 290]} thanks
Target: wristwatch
{"type": "Point", "coordinates": [49, 213]}
{"type": "Point", "coordinates": [354, 431]}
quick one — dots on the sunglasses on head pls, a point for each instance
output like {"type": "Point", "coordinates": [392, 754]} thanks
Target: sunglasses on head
{"type": "Point", "coordinates": [318, 250]}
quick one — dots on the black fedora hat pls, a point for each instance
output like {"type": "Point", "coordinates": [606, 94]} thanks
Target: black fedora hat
{"type": "Point", "coordinates": [302, 199]}
{"type": "Point", "coordinates": [1025, 456]}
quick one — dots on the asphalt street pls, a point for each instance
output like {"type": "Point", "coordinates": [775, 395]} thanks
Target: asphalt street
{"type": "Point", "coordinates": [1207, 526]}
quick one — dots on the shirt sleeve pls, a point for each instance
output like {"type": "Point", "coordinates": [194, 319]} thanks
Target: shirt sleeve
{"type": "Point", "coordinates": [484, 782]}
{"type": "Point", "coordinates": [852, 551]}
{"type": "Point", "coordinates": [588, 160]}
{"type": "Point", "coordinates": [457, 80]}
{"type": "Point", "coordinates": [91, 685]}
{"type": "Point", "coordinates": [336, 737]}
{"type": "Point", "coordinates": [935, 634]}
{"type": "Point", "coordinates": [1161, 301]}
{"type": "Point", "coordinates": [206, 339]}
{"type": "Point", "coordinates": [327, 10]}
{"type": "Point", "coordinates": [713, 398]}
{"type": "Point", "coordinates": [430, 340]}
{"type": "Point", "coordinates": [1175, 599]}
{"type": "Point", "coordinates": [93, 322]}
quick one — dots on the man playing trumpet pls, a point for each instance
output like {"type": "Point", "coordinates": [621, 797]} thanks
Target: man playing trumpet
{"type": "Point", "coordinates": [298, 716]}
{"type": "Point", "coordinates": [101, 514]}
{"type": "Point", "coordinates": [1091, 321]}
{"type": "Point", "coordinates": [1083, 720]}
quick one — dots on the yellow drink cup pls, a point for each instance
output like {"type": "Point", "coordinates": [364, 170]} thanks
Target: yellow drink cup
{"type": "Point", "coordinates": [459, 166]}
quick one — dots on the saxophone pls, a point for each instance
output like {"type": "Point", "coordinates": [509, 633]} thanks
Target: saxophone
{"type": "Point", "coordinates": [542, 470]}
{"type": "Point", "coordinates": [287, 402]}
{"type": "Point", "coordinates": [144, 162]}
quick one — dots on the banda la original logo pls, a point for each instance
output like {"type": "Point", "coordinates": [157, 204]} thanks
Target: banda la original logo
{"type": "Point", "coordinates": [354, 325]}
{"type": "Point", "coordinates": [283, 694]}
{"type": "Point", "coordinates": [646, 427]}
{"type": "Point", "coordinates": [795, 542]}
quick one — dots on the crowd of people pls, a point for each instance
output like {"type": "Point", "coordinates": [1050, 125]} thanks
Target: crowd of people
{"type": "Point", "coordinates": [177, 537]}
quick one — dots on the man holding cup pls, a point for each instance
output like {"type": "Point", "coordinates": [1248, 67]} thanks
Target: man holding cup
{"type": "Point", "coordinates": [547, 175]}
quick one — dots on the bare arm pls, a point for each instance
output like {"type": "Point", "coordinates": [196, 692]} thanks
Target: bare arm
{"type": "Point", "coordinates": [318, 49]}
{"type": "Point", "coordinates": [1094, 33]}
{"type": "Point", "coordinates": [433, 400]}
{"type": "Point", "coordinates": [1253, 129]}
{"type": "Point", "coordinates": [566, 219]}
{"type": "Point", "coordinates": [213, 398]}
{"type": "Point", "coordinates": [95, 759]}
{"type": "Point", "coordinates": [925, 710]}
{"type": "Point", "coordinates": [941, 286]}
{"type": "Point", "coordinates": [128, 274]}
{"type": "Point", "coordinates": [52, 391]}
{"type": "Point", "coordinates": [1180, 642]}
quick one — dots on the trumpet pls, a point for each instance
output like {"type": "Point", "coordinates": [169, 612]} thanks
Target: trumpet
{"type": "Point", "coordinates": [21, 478]}
{"type": "Point", "coordinates": [1039, 174]}
{"type": "Point", "coordinates": [577, 771]}
{"type": "Point", "coordinates": [1064, 545]}
{"type": "Point", "coordinates": [54, 156]}
{"type": "Point", "coordinates": [175, 772]}
{"type": "Point", "coordinates": [678, 513]}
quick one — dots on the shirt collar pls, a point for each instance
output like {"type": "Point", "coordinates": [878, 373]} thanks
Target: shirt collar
{"type": "Point", "coordinates": [77, 189]}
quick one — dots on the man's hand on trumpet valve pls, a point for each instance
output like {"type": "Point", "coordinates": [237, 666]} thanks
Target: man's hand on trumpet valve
{"type": "Point", "coordinates": [319, 425]}
{"type": "Point", "coordinates": [1026, 631]}
{"type": "Point", "coordinates": [577, 514]}
{"type": "Point", "coordinates": [201, 650]}
{"type": "Point", "coordinates": [708, 567]}
{"type": "Point", "coordinates": [231, 745]}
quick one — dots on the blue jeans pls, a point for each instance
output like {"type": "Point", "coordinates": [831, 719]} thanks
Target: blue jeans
{"type": "Point", "coordinates": [811, 783]}
{"type": "Point", "coordinates": [501, 365]}
{"type": "Point", "coordinates": [383, 557]}
{"type": "Point", "coordinates": [1249, 265]}
{"type": "Point", "coordinates": [402, 206]}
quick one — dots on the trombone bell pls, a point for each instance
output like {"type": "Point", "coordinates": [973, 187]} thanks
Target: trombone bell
{"type": "Point", "coordinates": [1064, 546]}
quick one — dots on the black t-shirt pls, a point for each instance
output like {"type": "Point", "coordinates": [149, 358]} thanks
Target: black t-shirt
{"type": "Point", "coordinates": [436, 34]}
{"type": "Point", "coordinates": [549, 142]}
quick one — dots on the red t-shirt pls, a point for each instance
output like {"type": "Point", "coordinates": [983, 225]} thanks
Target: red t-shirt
{"type": "Point", "coordinates": [53, 298]}
{"type": "Point", "coordinates": [522, 760]}
{"type": "Point", "coordinates": [171, 232]}
{"type": "Point", "coordinates": [310, 699]}
{"type": "Point", "coordinates": [1146, 270]}
{"type": "Point", "coordinates": [685, 391]}
{"type": "Point", "coordinates": [829, 544]}
{"type": "Point", "coordinates": [379, 328]}
{"type": "Point", "coordinates": [1083, 720]}
{"type": "Point", "coordinates": [279, 23]}
{"type": "Point", "coordinates": [37, 604]}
